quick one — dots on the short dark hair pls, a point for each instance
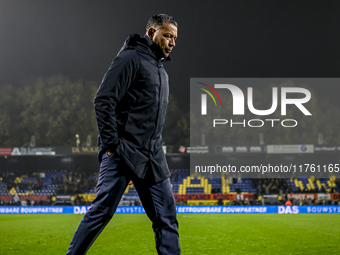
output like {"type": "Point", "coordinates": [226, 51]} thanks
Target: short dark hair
{"type": "Point", "coordinates": [160, 20]}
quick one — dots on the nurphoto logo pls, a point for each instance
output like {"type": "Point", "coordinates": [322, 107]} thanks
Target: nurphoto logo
{"type": "Point", "coordinates": [238, 107]}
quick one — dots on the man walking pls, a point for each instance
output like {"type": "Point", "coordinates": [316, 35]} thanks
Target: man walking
{"type": "Point", "coordinates": [130, 107]}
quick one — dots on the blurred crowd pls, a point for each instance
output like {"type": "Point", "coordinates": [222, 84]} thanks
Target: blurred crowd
{"type": "Point", "coordinates": [75, 182]}
{"type": "Point", "coordinates": [271, 186]}
{"type": "Point", "coordinates": [69, 182]}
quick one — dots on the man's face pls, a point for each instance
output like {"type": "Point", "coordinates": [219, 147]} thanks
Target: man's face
{"type": "Point", "coordinates": [164, 37]}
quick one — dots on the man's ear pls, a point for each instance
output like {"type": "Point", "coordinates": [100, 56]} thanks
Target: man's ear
{"type": "Point", "coordinates": [150, 32]}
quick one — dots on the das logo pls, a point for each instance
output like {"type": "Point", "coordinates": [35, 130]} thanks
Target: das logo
{"type": "Point", "coordinates": [288, 210]}
{"type": "Point", "coordinates": [80, 210]}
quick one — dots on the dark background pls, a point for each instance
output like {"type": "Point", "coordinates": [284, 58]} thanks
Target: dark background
{"type": "Point", "coordinates": [215, 39]}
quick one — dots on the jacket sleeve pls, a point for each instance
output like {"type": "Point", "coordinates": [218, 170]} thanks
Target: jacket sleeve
{"type": "Point", "coordinates": [115, 83]}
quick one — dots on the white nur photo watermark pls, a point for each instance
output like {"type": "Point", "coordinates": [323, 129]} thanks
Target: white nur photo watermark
{"type": "Point", "coordinates": [239, 102]}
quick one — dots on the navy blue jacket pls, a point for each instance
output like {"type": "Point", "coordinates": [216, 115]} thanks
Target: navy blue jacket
{"type": "Point", "coordinates": [130, 107]}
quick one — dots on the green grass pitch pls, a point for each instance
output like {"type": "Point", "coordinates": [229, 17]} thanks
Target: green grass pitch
{"type": "Point", "coordinates": [199, 234]}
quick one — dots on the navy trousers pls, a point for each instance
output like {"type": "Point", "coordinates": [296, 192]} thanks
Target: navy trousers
{"type": "Point", "coordinates": [157, 199]}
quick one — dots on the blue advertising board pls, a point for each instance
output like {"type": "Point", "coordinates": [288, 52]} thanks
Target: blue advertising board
{"type": "Point", "coordinates": [180, 209]}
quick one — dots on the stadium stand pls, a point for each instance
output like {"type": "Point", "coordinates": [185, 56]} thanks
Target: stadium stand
{"type": "Point", "coordinates": [81, 185]}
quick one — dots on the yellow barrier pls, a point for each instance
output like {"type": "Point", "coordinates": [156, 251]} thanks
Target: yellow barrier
{"type": "Point", "coordinates": [206, 202]}
{"type": "Point", "coordinates": [87, 197]}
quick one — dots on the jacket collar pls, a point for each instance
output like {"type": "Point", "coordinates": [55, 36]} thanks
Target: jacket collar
{"type": "Point", "coordinates": [156, 50]}
{"type": "Point", "coordinates": [146, 45]}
